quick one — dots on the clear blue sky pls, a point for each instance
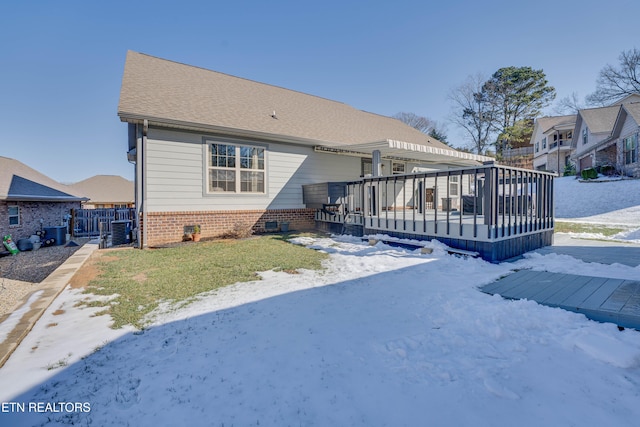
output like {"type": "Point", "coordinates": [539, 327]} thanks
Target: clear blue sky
{"type": "Point", "coordinates": [61, 61]}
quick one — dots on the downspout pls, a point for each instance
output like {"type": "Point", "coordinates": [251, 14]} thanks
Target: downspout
{"type": "Point", "coordinates": [558, 152]}
{"type": "Point", "coordinates": [141, 179]}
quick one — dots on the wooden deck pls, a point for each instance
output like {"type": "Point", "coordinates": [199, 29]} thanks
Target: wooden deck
{"type": "Point", "coordinates": [598, 298]}
{"type": "Point", "coordinates": [498, 211]}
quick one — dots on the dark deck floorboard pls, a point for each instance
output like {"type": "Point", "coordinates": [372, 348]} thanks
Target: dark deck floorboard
{"type": "Point", "coordinates": [598, 298]}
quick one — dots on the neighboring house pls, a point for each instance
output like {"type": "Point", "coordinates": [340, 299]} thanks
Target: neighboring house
{"type": "Point", "coordinates": [592, 131]}
{"type": "Point", "coordinates": [607, 136]}
{"type": "Point", "coordinates": [551, 140]}
{"type": "Point", "coordinates": [105, 191]}
{"type": "Point", "coordinates": [629, 99]}
{"type": "Point", "coordinates": [30, 201]}
{"type": "Point", "coordinates": [591, 138]}
{"type": "Point", "coordinates": [226, 152]}
{"type": "Point", "coordinates": [626, 137]}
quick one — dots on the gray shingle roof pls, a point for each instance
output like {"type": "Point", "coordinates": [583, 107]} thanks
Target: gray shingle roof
{"type": "Point", "coordinates": [105, 189]}
{"type": "Point", "coordinates": [633, 110]}
{"type": "Point", "coordinates": [170, 92]}
{"type": "Point", "coordinates": [600, 120]}
{"type": "Point", "coordinates": [548, 123]}
{"type": "Point", "coordinates": [21, 183]}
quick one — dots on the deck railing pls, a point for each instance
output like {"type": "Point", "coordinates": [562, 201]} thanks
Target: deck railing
{"type": "Point", "coordinates": [485, 204]}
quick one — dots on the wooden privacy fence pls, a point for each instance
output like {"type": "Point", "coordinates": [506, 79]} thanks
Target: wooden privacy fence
{"type": "Point", "coordinates": [86, 222]}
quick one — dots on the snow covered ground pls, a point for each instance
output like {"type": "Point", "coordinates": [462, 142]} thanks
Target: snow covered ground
{"type": "Point", "coordinates": [383, 336]}
{"type": "Point", "coordinates": [605, 202]}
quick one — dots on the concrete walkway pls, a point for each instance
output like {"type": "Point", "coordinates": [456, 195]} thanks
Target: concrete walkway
{"type": "Point", "coordinates": [49, 288]}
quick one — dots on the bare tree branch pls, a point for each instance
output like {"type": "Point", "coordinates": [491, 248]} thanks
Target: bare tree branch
{"type": "Point", "coordinates": [421, 123]}
{"type": "Point", "coordinates": [474, 112]}
{"type": "Point", "coordinates": [569, 105]}
{"type": "Point", "coordinates": [424, 125]}
{"type": "Point", "coordinates": [615, 83]}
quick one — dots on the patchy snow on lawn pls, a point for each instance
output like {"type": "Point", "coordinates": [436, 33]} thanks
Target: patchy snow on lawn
{"type": "Point", "coordinates": [383, 336]}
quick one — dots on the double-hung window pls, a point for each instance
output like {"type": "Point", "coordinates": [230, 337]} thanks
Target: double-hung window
{"type": "Point", "coordinates": [397, 168]}
{"type": "Point", "coordinates": [585, 136]}
{"type": "Point", "coordinates": [453, 185]}
{"type": "Point", "coordinates": [14, 215]}
{"type": "Point", "coordinates": [630, 149]}
{"type": "Point", "coordinates": [235, 168]}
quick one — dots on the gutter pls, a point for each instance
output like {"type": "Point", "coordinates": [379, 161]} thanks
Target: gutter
{"type": "Point", "coordinates": [32, 198]}
{"type": "Point", "coordinates": [225, 131]}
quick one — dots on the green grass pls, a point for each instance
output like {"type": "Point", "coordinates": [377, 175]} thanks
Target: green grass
{"type": "Point", "coordinates": [574, 227]}
{"type": "Point", "coordinates": [144, 278]}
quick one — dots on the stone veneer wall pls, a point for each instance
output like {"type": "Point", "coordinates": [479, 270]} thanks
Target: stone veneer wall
{"type": "Point", "coordinates": [607, 157]}
{"type": "Point", "coordinates": [632, 169]}
{"type": "Point", "coordinates": [168, 227]}
{"type": "Point", "coordinates": [31, 213]}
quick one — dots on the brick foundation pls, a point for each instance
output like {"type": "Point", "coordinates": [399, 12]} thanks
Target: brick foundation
{"type": "Point", "coordinates": [168, 227]}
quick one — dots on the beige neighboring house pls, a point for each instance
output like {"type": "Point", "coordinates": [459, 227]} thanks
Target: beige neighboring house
{"type": "Point", "coordinates": [603, 137]}
{"type": "Point", "coordinates": [626, 138]}
{"type": "Point", "coordinates": [593, 128]}
{"type": "Point", "coordinates": [106, 191]}
{"type": "Point", "coordinates": [225, 152]}
{"type": "Point", "coordinates": [31, 201]}
{"type": "Point", "coordinates": [551, 140]}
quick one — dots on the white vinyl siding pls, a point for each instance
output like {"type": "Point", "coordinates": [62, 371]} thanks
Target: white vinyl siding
{"type": "Point", "coordinates": [176, 179]}
{"type": "Point", "coordinates": [592, 140]}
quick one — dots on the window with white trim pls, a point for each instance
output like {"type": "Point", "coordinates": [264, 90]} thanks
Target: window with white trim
{"type": "Point", "coordinates": [630, 149]}
{"type": "Point", "coordinates": [453, 185]}
{"type": "Point", "coordinates": [544, 142]}
{"type": "Point", "coordinates": [585, 137]}
{"type": "Point", "coordinates": [14, 215]}
{"type": "Point", "coordinates": [397, 168]}
{"type": "Point", "coordinates": [366, 167]}
{"type": "Point", "coordinates": [235, 168]}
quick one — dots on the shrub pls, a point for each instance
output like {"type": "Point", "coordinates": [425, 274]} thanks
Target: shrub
{"type": "Point", "coordinates": [608, 170]}
{"type": "Point", "coordinates": [570, 170]}
{"type": "Point", "coordinates": [240, 230]}
{"type": "Point", "coordinates": [590, 173]}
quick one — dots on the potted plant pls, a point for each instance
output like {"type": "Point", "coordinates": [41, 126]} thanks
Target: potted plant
{"type": "Point", "coordinates": [196, 233]}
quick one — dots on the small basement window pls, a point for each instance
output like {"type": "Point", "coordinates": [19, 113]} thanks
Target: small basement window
{"type": "Point", "coordinates": [14, 215]}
